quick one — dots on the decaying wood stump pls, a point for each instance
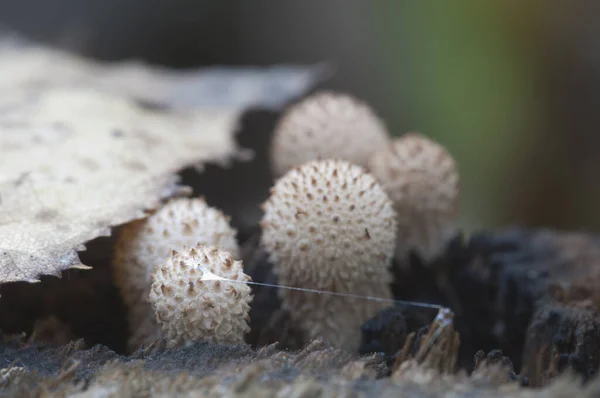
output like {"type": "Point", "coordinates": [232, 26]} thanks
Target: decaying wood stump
{"type": "Point", "coordinates": [525, 314]}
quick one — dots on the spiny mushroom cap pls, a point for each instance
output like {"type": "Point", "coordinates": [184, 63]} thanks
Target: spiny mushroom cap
{"type": "Point", "coordinates": [326, 125]}
{"type": "Point", "coordinates": [329, 225]}
{"type": "Point", "coordinates": [189, 308]}
{"type": "Point", "coordinates": [143, 244]}
{"type": "Point", "coordinates": [422, 179]}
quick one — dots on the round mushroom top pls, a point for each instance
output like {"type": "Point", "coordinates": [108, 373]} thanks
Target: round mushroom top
{"type": "Point", "coordinates": [326, 125]}
{"type": "Point", "coordinates": [189, 308]}
{"type": "Point", "coordinates": [144, 244]}
{"type": "Point", "coordinates": [328, 224]}
{"type": "Point", "coordinates": [422, 179]}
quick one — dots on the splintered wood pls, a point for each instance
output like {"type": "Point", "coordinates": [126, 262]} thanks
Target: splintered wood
{"type": "Point", "coordinates": [437, 349]}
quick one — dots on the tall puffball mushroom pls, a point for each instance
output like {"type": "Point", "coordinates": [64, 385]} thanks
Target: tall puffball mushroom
{"type": "Point", "coordinates": [326, 125]}
{"type": "Point", "coordinates": [191, 308]}
{"type": "Point", "coordinates": [422, 179]}
{"type": "Point", "coordinates": [144, 244]}
{"type": "Point", "coordinates": [329, 225]}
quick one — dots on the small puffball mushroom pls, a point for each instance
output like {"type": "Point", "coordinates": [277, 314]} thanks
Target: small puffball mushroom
{"type": "Point", "coordinates": [326, 125]}
{"type": "Point", "coordinates": [329, 225]}
{"type": "Point", "coordinates": [189, 308]}
{"type": "Point", "coordinates": [422, 179]}
{"type": "Point", "coordinates": [142, 245]}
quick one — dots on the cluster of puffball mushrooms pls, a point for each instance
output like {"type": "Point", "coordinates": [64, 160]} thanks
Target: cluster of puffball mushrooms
{"type": "Point", "coordinates": [347, 199]}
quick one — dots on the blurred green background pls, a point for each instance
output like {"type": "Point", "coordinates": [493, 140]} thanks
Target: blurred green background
{"type": "Point", "coordinates": [512, 88]}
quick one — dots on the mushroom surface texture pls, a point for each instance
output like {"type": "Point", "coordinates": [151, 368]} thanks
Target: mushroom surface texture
{"type": "Point", "coordinates": [326, 125]}
{"type": "Point", "coordinates": [422, 179]}
{"type": "Point", "coordinates": [190, 309]}
{"type": "Point", "coordinates": [142, 245]}
{"type": "Point", "coordinates": [329, 225]}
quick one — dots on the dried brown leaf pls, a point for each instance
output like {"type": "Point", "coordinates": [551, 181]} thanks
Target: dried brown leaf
{"type": "Point", "coordinates": [79, 155]}
{"type": "Point", "coordinates": [31, 66]}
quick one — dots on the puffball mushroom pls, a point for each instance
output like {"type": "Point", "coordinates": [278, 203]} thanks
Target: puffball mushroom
{"type": "Point", "coordinates": [326, 125]}
{"type": "Point", "coordinates": [329, 225]}
{"type": "Point", "coordinates": [142, 245]}
{"type": "Point", "coordinates": [189, 308]}
{"type": "Point", "coordinates": [422, 179]}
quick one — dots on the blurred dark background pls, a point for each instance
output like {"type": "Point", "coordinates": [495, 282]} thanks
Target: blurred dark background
{"type": "Point", "coordinates": [512, 88]}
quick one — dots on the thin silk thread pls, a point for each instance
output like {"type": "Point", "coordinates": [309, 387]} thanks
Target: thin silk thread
{"type": "Point", "coordinates": [207, 276]}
